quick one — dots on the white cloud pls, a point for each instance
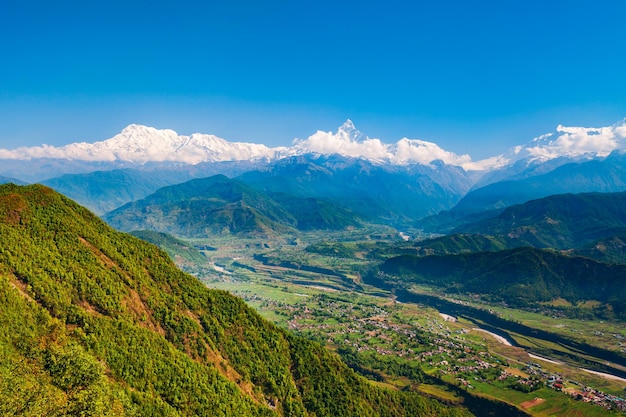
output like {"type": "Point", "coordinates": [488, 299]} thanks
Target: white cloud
{"type": "Point", "coordinates": [349, 142]}
{"type": "Point", "coordinates": [341, 143]}
{"type": "Point", "coordinates": [620, 130]}
{"type": "Point", "coordinates": [141, 144]}
{"type": "Point", "coordinates": [577, 141]}
{"type": "Point", "coordinates": [412, 151]}
{"type": "Point", "coordinates": [486, 164]}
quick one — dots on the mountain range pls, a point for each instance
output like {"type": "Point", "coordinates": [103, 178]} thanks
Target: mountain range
{"type": "Point", "coordinates": [141, 146]}
{"type": "Point", "coordinates": [218, 205]}
{"type": "Point", "coordinates": [411, 183]}
{"type": "Point", "coordinates": [97, 321]}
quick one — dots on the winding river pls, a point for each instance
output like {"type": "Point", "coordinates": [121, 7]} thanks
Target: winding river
{"type": "Point", "coordinates": [578, 353]}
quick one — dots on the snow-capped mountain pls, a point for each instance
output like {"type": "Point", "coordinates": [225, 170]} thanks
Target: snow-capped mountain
{"type": "Point", "coordinates": [549, 151]}
{"type": "Point", "coordinates": [345, 165]}
{"type": "Point", "coordinates": [142, 144]}
{"type": "Point", "coordinates": [573, 143]}
{"type": "Point", "coordinates": [349, 141]}
{"type": "Point", "coordinates": [138, 146]}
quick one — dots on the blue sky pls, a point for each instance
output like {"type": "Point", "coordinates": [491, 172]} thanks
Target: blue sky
{"type": "Point", "coordinates": [473, 77]}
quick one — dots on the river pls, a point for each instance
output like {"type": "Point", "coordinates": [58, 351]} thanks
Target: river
{"type": "Point", "coordinates": [574, 351]}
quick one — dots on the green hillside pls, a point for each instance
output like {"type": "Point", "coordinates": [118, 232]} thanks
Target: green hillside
{"type": "Point", "coordinates": [179, 250]}
{"type": "Point", "coordinates": [520, 277]}
{"type": "Point", "coordinates": [315, 213]}
{"type": "Point", "coordinates": [611, 249]}
{"type": "Point", "coordinates": [563, 221]}
{"type": "Point", "coordinates": [100, 323]}
{"type": "Point", "coordinates": [460, 243]}
{"type": "Point", "coordinates": [218, 205]}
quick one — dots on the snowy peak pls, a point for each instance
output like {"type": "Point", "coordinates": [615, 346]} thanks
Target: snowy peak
{"type": "Point", "coordinates": [573, 142]}
{"type": "Point", "coordinates": [138, 144]}
{"type": "Point", "coordinates": [141, 144]}
{"type": "Point", "coordinates": [349, 141]}
{"type": "Point", "coordinates": [349, 132]}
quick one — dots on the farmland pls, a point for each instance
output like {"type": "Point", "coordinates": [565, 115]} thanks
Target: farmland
{"type": "Point", "coordinates": [412, 345]}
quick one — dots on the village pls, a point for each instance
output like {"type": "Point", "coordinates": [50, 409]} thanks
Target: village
{"type": "Point", "coordinates": [452, 354]}
{"type": "Point", "coordinates": [577, 390]}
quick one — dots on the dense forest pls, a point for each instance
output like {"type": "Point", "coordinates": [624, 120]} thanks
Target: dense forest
{"type": "Point", "coordinates": [521, 277]}
{"type": "Point", "coordinates": [221, 206]}
{"type": "Point", "coordinates": [562, 221]}
{"type": "Point", "coordinates": [100, 323]}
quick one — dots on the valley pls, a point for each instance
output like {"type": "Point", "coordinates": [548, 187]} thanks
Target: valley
{"type": "Point", "coordinates": [419, 338]}
{"type": "Point", "coordinates": [96, 322]}
{"type": "Point", "coordinates": [365, 284]}
{"type": "Point", "coordinates": [312, 209]}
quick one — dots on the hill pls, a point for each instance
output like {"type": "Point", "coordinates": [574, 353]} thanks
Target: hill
{"type": "Point", "coordinates": [610, 250]}
{"type": "Point", "coordinates": [562, 221]}
{"type": "Point", "coordinates": [218, 205]}
{"type": "Point", "coordinates": [461, 243]}
{"type": "Point", "coordinates": [103, 190]}
{"type": "Point", "coordinates": [180, 251]}
{"type": "Point", "coordinates": [7, 180]}
{"type": "Point", "coordinates": [97, 322]}
{"type": "Point", "coordinates": [605, 175]}
{"type": "Point", "coordinates": [520, 277]}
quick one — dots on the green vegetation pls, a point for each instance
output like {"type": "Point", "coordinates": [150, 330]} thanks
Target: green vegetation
{"type": "Point", "coordinates": [315, 213]}
{"type": "Point", "coordinates": [221, 206]}
{"type": "Point", "coordinates": [101, 323]}
{"type": "Point", "coordinates": [97, 322]}
{"type": "Point", "coordinates": [521, 277]}
{"type": "Point", "coordinates": [610, 250]}
{"type": "Point", "coordinates": [461, 243]}
{"type": "Point", "coordinates": [179, 250]}
{"type": "Point", "coordinates": [563, 221]}
{"type": "Point", "coordinates": [389, 342]}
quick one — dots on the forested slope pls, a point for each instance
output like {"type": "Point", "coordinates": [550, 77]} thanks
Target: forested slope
{"type": "Point", "coordinates": [521, 277]}
{"type": "Point", "coordinates": [97, 322]}
{"type": "Point", "coordinates": [561, 221]}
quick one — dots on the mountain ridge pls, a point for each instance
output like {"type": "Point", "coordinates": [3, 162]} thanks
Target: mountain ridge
{"type": "Point", "coordinates": [607, 175]}
{"type": "Point", "coordinates": [379, 193]}
{"type": "Point", "coordinates": [521, 277]}
{"type": "Point", "coordinates": [219, 205]}
{"type": "Point", "coordinates": [561, 221]}
{"type": "Point", "coordinates": [138, 145]}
